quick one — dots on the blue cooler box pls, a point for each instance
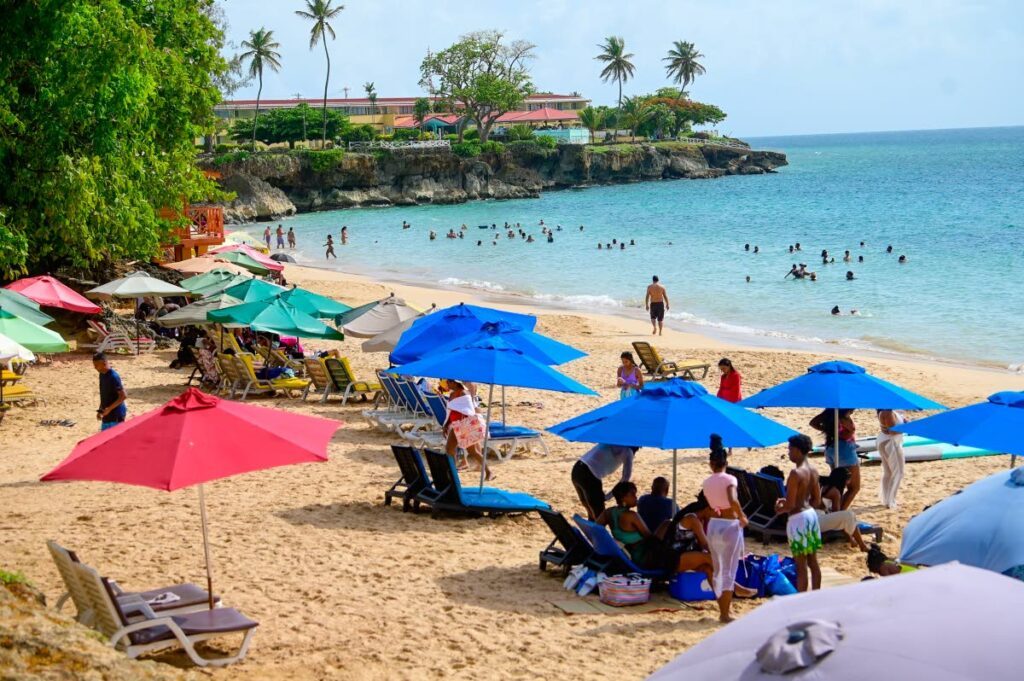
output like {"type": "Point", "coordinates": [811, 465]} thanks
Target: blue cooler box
{"type": "Point", "coordinates": [691, 586]}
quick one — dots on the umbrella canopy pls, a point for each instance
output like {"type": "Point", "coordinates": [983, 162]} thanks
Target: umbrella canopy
{"type": "Point", "coordinates": [314, 304]}
{"type": "Point", "coordinates": [253, 253]}
{"type": "Point", "coordinates": [983, 526]}
{"type": "Point", "coordinates": [32, 336]}
{"type": "Point", "coordinates": [376, 318]}
{"type": "Point", "coordinates": [274, 315]}
{"type": "Point", "coordinates": [50, 292]}
{"type": "Point", "coordinates": [250, 290]}
{"type": "Point", "coordinates": [539, 347]}
{"type": "Point", "coordinates": [136, 285]}
{"type": "Point", "coordinates": [449, 325]}
{"type": "Point", "coordinates": [996, 424]}
{"type": "Point", "coordinates": [281, 257]}
{"type": "Point", "coordinates": [10, 349]}
{"type": "Point", "coordinates": [26, 308]}
{"type": "Point", "coordinates": [202, 265]}
{"type": "Point", "coordinates": [496, 362]}
{"type": "Point", "coordinates": [386, 342]}
{"type": "Point", "coordinates": [890, 628]}
{"type": "Point", "coordinates": [193, 439]}
{"type": "Point", "coordinates": [221, 273]}
{"type": "Point", "coordinates": [195, 313]}
{"type": "Point", "coordinates": [673, 414]}
{"type": "Point", "coordinates": [214, 287]}
{"type": "Point", "coordinates": [236, 238]}
{"type": "Point", "coordinates": [839, 385]}
{"type": "Point", "coordinates": [244, 261]}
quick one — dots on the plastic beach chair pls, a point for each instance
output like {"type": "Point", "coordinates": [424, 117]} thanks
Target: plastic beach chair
{"type": "Point", "coordinates": [452, 496]}
{"type": "Point", "coordinates": [659, 368]}
{"type": "Point", "coordinates": [413, 481]}
{"type": "Point", "coordinates": [148, 631]}
{"type": "Point", "coordinates": [345, 381]}
{"type": "Point", "coordinates": [608, 556]}
{"type": "Point", "coordinates": [568, 548]}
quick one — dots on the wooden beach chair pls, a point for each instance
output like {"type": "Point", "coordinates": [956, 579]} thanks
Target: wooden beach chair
{"type": "Point", "coordinates": [659, 368]}
{"type": "Point", "coordinates": [133, 626]}
{"type": "Point", "coordinates": [345, 381]}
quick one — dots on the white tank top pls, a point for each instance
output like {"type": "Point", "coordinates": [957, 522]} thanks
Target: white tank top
{"type": "Point", "coordinates": [898, 437]}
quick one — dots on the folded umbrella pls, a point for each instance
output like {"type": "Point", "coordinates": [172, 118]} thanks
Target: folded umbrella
{"type": "Point", "coordinates": [50, 292]}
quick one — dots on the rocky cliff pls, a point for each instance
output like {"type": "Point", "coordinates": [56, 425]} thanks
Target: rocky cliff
{"type": "Point", "coordinates": [273, 184]}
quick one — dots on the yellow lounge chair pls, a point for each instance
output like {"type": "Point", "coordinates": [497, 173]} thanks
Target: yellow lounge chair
{"type": "Point", "coordinates": [261, 385]}
{"type": "Point", "coordinates": [659, 368]}
{"type": "Point", "coordinates": [345, 381]}
{"type": "Point", "coordinates": [319, 380]}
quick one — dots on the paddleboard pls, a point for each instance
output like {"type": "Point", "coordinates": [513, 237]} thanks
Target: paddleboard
{"type": "Point", "coordinates": [936, 451]}
{"type": "Point", "coordinates": [870, 444]}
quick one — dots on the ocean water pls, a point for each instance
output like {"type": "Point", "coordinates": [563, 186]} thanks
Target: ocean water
{"type": "Point", "coordinates": [952, 201]}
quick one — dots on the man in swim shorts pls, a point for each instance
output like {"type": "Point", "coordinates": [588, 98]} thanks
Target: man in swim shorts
{"type": "Point", "coordinates": [803, 493]}
{"type": "Point", "coordinates": [656, 302]}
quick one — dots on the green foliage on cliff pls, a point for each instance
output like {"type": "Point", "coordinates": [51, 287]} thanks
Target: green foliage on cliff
{"type": "Point", "coordinates": [290, 125]}
{"type": "Point", "coordinates": [322, 161]}
{"type": "Point", "coordinates": [100, 104]}
{"type": "Point", "coordinates": [466, 149]}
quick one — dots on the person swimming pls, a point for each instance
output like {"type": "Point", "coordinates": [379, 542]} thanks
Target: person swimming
{"type": "Point", "coordinates": [846, 256]}
{"type": "Point", "coordinates": [795, 272]}
{"type": "Point", "coordinates": [746, 247]}
{"type": "Point", "coordinates": [849, 275]}
{"type": "Point", "coordinates": [902, 259]}
{"type": "Point", "coordinates": [835, 311]}
{"type": "Point", "coordinates": [888, 248]}
{"type": "Point", "coordinates": [791, 248]}
{"type": "Point", "coordinates": [797, 245]}
{"type": "Point", "coordinates": [622, 246]}
{"type": "Point", "coordinates": [757, 249]}
{"type": "Point", "coordinates": [632, 243]}
{"type": "Point", "coordinates": [860, 258]}
{"type": "Point", "coordinates": [599, 246]}
{"type": "Point", "coordinates": [748, 278]}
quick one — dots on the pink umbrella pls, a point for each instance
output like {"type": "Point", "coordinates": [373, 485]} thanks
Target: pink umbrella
{"type": "Point", "coordinates": [193, 439]}
{"type": "Point", "coordinates": [262, 259]}
{"type": "Point", "coordinates": [50, 292]}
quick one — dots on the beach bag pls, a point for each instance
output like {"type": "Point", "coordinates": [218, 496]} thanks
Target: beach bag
{"type": "Point", "coordinates": [469, 431]}
{"type": "Point", "coordinates": [775, 581]}
{"type": "Point", "coordinates": [623, 590]}
{"type": "Point", "coordinates": [750, 573]}
{"type": "Point", "coordinates": [691, 586]}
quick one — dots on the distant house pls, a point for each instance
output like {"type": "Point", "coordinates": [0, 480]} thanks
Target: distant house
{"type": "Point", "coordinates": [395, 112]}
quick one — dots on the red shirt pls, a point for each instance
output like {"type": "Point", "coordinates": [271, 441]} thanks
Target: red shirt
{"type": "Point", "coordinates": [729, 388]}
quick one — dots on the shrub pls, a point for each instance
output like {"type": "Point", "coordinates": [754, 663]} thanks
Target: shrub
{"type": "Point", "coordinates": [519, 132]}
{"type": "Point", "coordinates": [405, 134]}
{"type": "Point", "coordinates": [452, 138]}
{"type": "Point", "coordinates": [545, 141]}
{"type": "Point", "coordinates": [230, 157]}
{"type": "Point", "coordinates": [466, 149]}
{"type": "Point", "coordinates": [359, 133]}
{"type": "Point", "coordinates": [492, 147]}
{"type": "Point", "coordinates": [223, 148]}
{"type": "Point", "coordinates": [471, 135]}
{"type": "Point", "coordinates": [322, 161]}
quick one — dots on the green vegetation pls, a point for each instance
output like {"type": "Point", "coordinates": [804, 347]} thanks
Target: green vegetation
{"type": "Point", "coordinates": [683, 66]}
{"type": "Point", "coordinates": [466, 149]}
{"type": "Point", "coordinates": [420, 110]}
{"type": "Point", "coordinates": [618, 66]}
{"type": "Point", "coordinates": [287, 125]}
{"type": "Point", "coordinates": [261, 49]}
{"type": "Point", "coordinates": [323, 160]}
{"type": "Point", "coordinates": [8, 578]}
{"type": "Point", "coordinates": [371, 94]}
{"type": "Point", "coordinates": [100, 104]}
{"type": "Point", "coordinates": [492, 147]}
{"type": "Point", "coordinates": [519, 132]}
{"type": "Point", "coordinates": [481, 73]}
{"type": "Point", "coordinates": [320, 12]}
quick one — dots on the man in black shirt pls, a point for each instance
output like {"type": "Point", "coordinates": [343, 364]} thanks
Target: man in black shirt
{"type": "Point", "coordinates": [112, 409]}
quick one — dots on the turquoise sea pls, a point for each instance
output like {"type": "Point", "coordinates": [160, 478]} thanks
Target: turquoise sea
{"type": "Point", "coordinates": [952, 201]}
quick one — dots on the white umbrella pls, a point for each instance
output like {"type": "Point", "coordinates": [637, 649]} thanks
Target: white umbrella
{"type": "Point", "coordinates": [386, 342]}
{"type": "Point", "coordinates": [385, 315]}
{"type": "Point", "coordinates": [136, 285]}
{"type": "Point", "coordinates": [946, 623]}
{"type": "Point", "coordinates": [11, 349]}
{"type": "Point", "coordinates": [195, 313]}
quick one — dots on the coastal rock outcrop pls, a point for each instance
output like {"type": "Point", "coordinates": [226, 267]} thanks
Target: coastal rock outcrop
{"type": "Point", "coordinates": [269, 185]}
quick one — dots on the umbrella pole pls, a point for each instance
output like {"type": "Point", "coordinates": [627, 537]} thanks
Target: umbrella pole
{"type": "Point", "coordinates": [835, 442]}
{"type": "Point", "coordinates": [136, 327]}
{"type": "Point", "coordinates": [487, 434]}
{"type": "Point", "coordinates": [206, 546]}
{"type": "Point", "coordinates": [504, 422]}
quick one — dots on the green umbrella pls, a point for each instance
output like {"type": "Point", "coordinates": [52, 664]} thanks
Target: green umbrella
{"type": "Point", "coordinates": [274, 315]}
{"type": "Point", "coordinates": [314, 304]}
{"type": "Point", "coordinates": [195, 314]}
{"type": "Point", "coordinates": [214, 276]}
{"type": "Point", "coordinates": [32, 336]}
{"type": "Point", "coordinates": [243, 260]}
{"type": "Point", "coordinates": [213, 288]}
{"type": "Point", "coordinates": [23, 307]}
{"type": "Point", "coordinates": [250, 290]}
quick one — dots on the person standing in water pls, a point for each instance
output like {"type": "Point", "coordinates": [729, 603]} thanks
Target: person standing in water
{"type": "Point", "coordinates": [803, 493]}
{"type": "Point", "coordinates": [291, 237]}
{"type": "Point", "coordinates": [330, 247]}
{"type": "Point", "coordinates": [266, 236]}
{"type": "Point", "coordinates": [344, 234]}
{"type": "Point", "coordinates": [656, 301]}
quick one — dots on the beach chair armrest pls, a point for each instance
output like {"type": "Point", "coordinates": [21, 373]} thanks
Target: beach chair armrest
{"type": "Point", "coordinates": [142, 625]}
{"type": "Point", "coordinates": [135, 605]}
{"type": "Point", "coordinates": [666, 367]}
{"type": "Point", "coordinates": [115, 587]}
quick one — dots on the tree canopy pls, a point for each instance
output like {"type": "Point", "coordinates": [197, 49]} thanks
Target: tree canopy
{"type": "Point", "coordinates": [482, 75]}
{"type": "Point", "coordinates": [101, 102]}
{"type": "Point", "coordinates": [289, 125]}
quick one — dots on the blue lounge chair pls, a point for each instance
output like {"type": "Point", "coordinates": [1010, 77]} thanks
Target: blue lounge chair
{"type": "Point", "coordinates": [568, 548]}
{"type": "Point", "coordinates": [413, 481]}
{"type": "Point", "coordinates": [608, 556]}
{"type": "Point", "coordinates": [448, 494]}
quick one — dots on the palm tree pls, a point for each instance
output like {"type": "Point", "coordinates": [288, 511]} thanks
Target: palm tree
{"type": "Point", "coordinates": [683, 66]}
{"type": "Point", "coordinates": [592, 119]}
{"type": "Point", "coordinates": [618, 66]}
{"type": "Point", "coordinates": [371, 94]}
{"type": "Point", "coordinates": [320, 13]}
{"type": "Point", "coordinates": [635, 112]}
{"type": "Point", "coordinates": [260, 50]}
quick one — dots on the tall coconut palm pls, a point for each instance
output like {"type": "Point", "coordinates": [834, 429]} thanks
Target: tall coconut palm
{"type": "Point", "coordinates": [320, 12]}
{"type": "Point", "coordinates": [683, 66]}
{"type": "Point", "coordinates": [618, 66]}
{"type": "Point", "coordinates": [592, 119]}
{"type": "Point", "coordinates": [371, 94]}
{"type": "Point", "coordinates": [260, 51]}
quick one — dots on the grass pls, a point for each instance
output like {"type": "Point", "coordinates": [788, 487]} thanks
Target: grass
{"type": "Point", "coordinates": [7, 578]}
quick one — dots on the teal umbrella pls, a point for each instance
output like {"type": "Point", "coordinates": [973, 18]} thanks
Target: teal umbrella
{"type": "Point", "coordinates": [214, 276]}
{"type": "Point", "coordinates": [29, 335]}
{"type": "Point", "coordinates": [314, 304]}
{"type": "Point", "coordinates": [243, 260]}
{"type": "Point", "coordinates": [215, 287]}
{"type": "Point", "coordinates": [250, 290]}
{"type": "Point", "coordinates": [26, 308]}
{"type": "Point", "coordinates": [274, 315]}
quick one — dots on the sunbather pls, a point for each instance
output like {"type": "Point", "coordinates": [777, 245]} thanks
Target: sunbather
{"type": "Point", "coordinates": [883, 566]}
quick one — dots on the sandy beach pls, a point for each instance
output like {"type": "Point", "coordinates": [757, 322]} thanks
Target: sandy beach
{"type": "Point", "coordinates": [344, 587]}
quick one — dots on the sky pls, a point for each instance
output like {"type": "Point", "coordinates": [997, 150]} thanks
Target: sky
{"type": "Point", "coordinates": [778, 67]}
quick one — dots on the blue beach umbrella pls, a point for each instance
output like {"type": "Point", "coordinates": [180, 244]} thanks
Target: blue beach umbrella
{"type": "Point", "coordinates": [493, 361]}
{"type": "Point", "coordinates": [839, 385]}
{"type": "Point", "coordinates": [996, 425]}
{"type": "Point", "coordinates": [981, 526]}
{"type": "Point", "coordinates": [673, 414]}
{"type": "Point", "coordinates": [449, 325]}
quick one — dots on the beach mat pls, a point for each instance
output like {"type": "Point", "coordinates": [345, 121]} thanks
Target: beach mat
{"type": "Point", "coordinates": [660, 602]}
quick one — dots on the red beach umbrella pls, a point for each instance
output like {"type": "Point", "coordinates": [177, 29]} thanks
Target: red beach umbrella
{"type": "Point", "coordinates": [50, 292]}
{"type": "Point", "coordinates": [193, 439]}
